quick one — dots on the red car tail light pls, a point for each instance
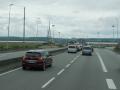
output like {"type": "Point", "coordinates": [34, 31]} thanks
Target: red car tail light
{"type": "Point", "coordinates": [24, 59]}
{"type": "Point", "coordinates": [40, 60]}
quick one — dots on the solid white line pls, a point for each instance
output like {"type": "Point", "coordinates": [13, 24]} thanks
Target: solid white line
{"type": "Point", "coordinates": [61, 71]}
{"type": "Point", "coordinates": [111, 84]}
{"type": "Point", "coordinates": [68, 65]}
{"type": "Point", "coordinates": [10, 71]}
{"type": "Point", "coordinates": [102, 63]}
{"type": "Point", "coordinates": [48, 82]}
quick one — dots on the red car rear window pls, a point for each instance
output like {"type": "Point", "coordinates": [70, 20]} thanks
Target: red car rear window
{"type": "Point", "coordinates": [33, 54]}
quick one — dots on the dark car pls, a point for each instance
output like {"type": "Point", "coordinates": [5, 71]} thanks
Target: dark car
{"type": "Point", "coordinates": [37, 59]}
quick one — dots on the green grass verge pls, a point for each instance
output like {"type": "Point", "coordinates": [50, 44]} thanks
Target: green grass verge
{"type": "Point", "coordinates": [24, 46]}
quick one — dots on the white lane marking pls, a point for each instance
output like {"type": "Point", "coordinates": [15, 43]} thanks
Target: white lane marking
{"type": "Point", "coordinates": [111, 84]}
{"type": "Point", "coordinates": [61, 71]}
{"type": "Point", "coordinates": [78, 56]}
{"type": "Point", "coordinates": [102, 63]}
{"type": "Point", "coordinates": [71, 61]}
{"type": "Point", "coordinates": [68, 65]}
{"type": "Point", "coordinates": [46, 84]}
{"type": "Point", "coordinates": [10, 71]}
{"type": "Point", "coordinates": [75, 58]}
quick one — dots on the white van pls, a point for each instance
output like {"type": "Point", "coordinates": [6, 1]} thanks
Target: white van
{"type": "Point", "coordinates": [72, 49]}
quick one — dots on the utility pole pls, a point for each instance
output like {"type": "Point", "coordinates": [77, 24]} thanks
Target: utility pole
{"type": "Point", "coordinates": [24, 27]}
{"type": "Point", "coordinates": [9, 18]}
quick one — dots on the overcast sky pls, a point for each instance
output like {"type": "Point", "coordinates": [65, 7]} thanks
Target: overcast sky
{"type": "Point", "coordinates": [73, 18]}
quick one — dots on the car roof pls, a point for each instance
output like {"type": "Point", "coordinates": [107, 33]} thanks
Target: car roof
{"type": "Point", "coordinates": [87, 46]}
{"type": "Point", "coordinates": [41, 50]}
{"type": "Point", "coordinates": [71, 45]}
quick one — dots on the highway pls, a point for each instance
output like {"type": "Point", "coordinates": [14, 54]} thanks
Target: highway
{"type": "Point", "coordinates": [69, 72]}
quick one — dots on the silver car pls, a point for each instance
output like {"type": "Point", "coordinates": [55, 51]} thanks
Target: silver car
{"type": "Point", "coordinates": [87, 50]}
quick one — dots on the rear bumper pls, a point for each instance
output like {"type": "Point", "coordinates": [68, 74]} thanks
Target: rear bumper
{"type": "Point", "coordinates": [72, 51]}
{"type": "Point", "coordinates": [32, 65]}
{"type": "Point", "coordinates": [86, 53]}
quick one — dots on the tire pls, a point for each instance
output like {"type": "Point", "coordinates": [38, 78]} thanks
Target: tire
{"type": "Point", "coordinates": [23, 67]}
{"type": "Point", "coordinates": [91, 54]}
{"type": "Point", "coordinates": [50, 65]}
{"type": "Point", "coordinates": [44, 67]}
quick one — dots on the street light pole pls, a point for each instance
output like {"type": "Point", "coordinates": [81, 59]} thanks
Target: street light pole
{"type": "Point", "coordinates": [53, 33]}
{"type": "Point", "coordinates": [117, 27]}
{"type": "Point", "coordinates": [37, 31]}
{"type": "Point", "coordinates": [59, 36]}
{"type": "Point", "coordinates": [113, 31]}
{"type": "Point", "coordinates": [49, 33]}
{"type": "Point", "coordinates": [37, 27]}
{"type": "Point", "coordinates": [9, 18]}
{"type": "Point", "coordinates": [24, 26]}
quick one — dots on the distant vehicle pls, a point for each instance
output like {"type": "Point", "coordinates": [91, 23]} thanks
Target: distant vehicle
{"type": "Point", "coordinates": [92, 48]}
{"type": "Point", "coordinates": [79, 47]}
{"type": "Point", "coordinates": [37, 59]}
{"type": "Point", "coordinates": [72, 49]}
{"type": "Point", "coordinates": [87, 50]}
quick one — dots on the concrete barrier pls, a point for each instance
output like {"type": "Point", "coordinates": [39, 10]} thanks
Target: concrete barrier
{"type": "Point", "coordinates": [18, 59]}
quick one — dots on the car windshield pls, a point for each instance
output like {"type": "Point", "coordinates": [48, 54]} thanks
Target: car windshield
{"type": "Point", "coordinates": [71, 46]}
{"type": "Point", "coordinates": [33, 54]}
{"type": "Point", "coordinates": [86, 48]}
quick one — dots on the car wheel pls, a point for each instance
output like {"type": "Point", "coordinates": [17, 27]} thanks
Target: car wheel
{"type": "Point", "coordinates": [23, 67]}
{"type": "Point", "coordinates": [50, 65]}
{"type": "Point", "coordinates": [91, 54]}
{"type": "Point", "coordinates": [44, 67]}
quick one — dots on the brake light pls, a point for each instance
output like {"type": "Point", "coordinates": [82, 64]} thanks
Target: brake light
{"type": "Point", "coordinates": [40, 60]}
{"type": "Point", "coordinates": [24, 59]}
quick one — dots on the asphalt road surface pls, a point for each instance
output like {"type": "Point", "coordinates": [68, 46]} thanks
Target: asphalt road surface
{"type": "Point", "coordinates": [69, 72]}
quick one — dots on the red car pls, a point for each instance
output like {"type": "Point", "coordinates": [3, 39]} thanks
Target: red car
{"type": "Point", "coordinates": [37, 59]}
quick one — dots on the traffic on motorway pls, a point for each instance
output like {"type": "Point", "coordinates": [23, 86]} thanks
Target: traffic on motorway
{"type": "Point", "coordinates": [78, 70]}
{"type": "Point", "coordinates": [43, 59]}
{"type": "Point", "coordinates": [59, 44]}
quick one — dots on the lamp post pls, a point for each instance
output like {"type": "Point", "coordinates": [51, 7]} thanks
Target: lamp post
{"type": "Point", "coordinates": [59, 37]}
{"type": "Point", "coordinates": [53, 33]}
{"type": "Point", "coordinates": [113, 31]}
{"type": "Point", "coordinates": [24, 26]}
{"type": "Point", "coordinates": [9, 18]}
{"type": "Point", "coordinates": [38, 22]}
{"type": "Point", "coordinates": [117, 26]}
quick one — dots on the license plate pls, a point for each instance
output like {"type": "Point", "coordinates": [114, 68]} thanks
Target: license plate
{"type": "Point", "coordinates": [31, 61]}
